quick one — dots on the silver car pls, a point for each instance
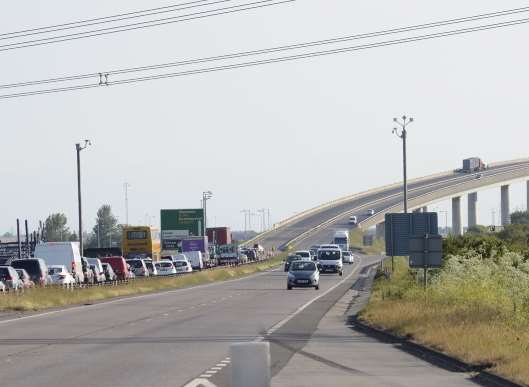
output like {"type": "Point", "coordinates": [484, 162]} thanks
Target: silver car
{"type": "Point", "coordinates": [303, 274]}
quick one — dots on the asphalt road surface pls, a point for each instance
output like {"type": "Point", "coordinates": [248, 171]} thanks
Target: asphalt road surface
{"type": "Point", "coordinates": [164, 339]}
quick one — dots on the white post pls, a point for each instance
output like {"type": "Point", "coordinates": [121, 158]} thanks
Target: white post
{"type": "Point", "coordinates": [472, 209]}
{"type": "Point", "coordinates": [456, 216]}
{"type": "Point", "coordinates": [250, 364]}
{"type": "Point", "coordinates": [505, 206]}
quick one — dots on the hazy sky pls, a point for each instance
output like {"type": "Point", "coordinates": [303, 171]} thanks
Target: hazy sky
{"type": "Point", "coordinates": [285, 136]}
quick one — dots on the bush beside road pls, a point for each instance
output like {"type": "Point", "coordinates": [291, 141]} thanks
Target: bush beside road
{"type": "Point", "coordinates": [476, 308]}
{"type": "Point", "coordinates": [51, 297]}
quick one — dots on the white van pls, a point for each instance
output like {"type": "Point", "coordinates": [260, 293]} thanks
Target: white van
{"type": "Point", "coordinates": [195, 259]}
{"type": "Point", "coordinates": [62, 253]}
{"type": "Point", "coordinates": [341, 238]}
{"type": "Point", "coordinates": [353, 220]}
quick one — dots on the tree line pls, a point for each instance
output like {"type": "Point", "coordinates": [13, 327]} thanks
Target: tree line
{"type": "Point", "coordinates": [107, 231]}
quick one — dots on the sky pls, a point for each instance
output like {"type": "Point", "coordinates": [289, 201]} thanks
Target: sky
{"type": "Point", "coordinates": [285, 136]}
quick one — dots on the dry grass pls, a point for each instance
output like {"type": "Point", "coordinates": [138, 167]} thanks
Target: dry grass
{"type": "Point", "coordinates": [477, 332]}
{"type": "Point", "coordinates": [42, 298]}
{"type": "Point", "coordinates": [356, 242]}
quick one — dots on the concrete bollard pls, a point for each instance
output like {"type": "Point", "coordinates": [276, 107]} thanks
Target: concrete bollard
{"type": "Point", "coordinates": [250, 364]}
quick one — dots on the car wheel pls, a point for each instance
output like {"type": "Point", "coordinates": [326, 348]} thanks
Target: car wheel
{"type": "Point", "coordinates": [341, 273]}
{"type": "Point", "coordinates": [317, 287]}
{"type": "Point", "coordinates": [289, 287]}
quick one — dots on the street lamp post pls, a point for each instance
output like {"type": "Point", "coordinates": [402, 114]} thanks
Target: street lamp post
{"type": "Point", "coordinates": [206, 195]}
{"type": "Point", "coordinates": [78, 149]}
{"type": "Point", "coordinates": [126, 186]}
{"type": "Point", "coordinates": [403, 134]}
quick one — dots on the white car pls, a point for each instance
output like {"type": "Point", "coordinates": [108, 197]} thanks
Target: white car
{"type": "Point", "coordinates": [165, 267]}
{"type": "Point", "coordinates": [60, 275]}
{"type": "Point", "coordinates": [182, 266]}
{"type": "Point", "coordinates": [370, 212]}
{"type": "Point", "coordinates": [348, 257]}
{"type": "Point", "coordinates": [304, 255]}
{"type": "Point", "coordinates": [353, 220]}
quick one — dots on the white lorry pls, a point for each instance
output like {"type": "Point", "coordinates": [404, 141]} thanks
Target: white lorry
{"type": "Point", "coordinates": [62, 253]}
{"type": "Point", "coordinates": [341, 238]}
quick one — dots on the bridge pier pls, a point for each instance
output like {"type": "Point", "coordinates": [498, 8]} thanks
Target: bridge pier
{"type": "Point", "coordinates": [505, 206]}
{"type": "Point", "coordinates": [457, 229]}
{"type": "Point", "coordinates": [425, 209]}
{"type": "Point", "coordinates": [381, 230]}
{"type": "Point", "coordinates": [472, 209]}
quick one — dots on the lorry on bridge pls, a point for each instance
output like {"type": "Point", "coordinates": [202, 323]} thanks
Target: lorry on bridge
{"type": "Point", "coordinates": [473, 164]}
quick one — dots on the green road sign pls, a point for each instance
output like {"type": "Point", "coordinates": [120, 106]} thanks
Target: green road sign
{"type": "Point", "coordinates": [182, 223]}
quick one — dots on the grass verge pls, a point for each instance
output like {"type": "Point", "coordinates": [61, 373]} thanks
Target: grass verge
{"type": "Point", "coordinates": [43, 298]}
{"type": "Point", "coordinates": [469, 314]}
{"type": "Point", "coordinates": [356, 242]}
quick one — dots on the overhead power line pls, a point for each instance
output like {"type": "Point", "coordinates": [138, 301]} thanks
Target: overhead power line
{"type": "Point", "coordinates": [103, 80]}
{"type": "Point", "coordinates": [316, 43]}
{"type": "Point", "coordinates": [144, 24]}
{"type": "Point", "coordinates": [105, 19]}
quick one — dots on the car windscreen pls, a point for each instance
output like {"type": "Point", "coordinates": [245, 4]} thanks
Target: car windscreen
{"type": "Point", "coordinates": [340, 241]}
{"type": "Point", "coordinates": [291, 258]}
{"type": "Point", "coordinates": [4, 273]}
{"type": "Point", "coordinates": [135, 264]}
{"type": "Point", "coordinates": [303, 266]}
{"type": "Point", "coordinates": [180, 263]}
{"type": "Point", "coordinates": [304, 254]}
{"type": "Point", "coordinates": [329, 255]}
{"type": "Point", "coordinates": [54, 270]}
{"type": "Point", "coordinates": [31, 266]}
{"type": "Point", "coordinates": [346, 253]}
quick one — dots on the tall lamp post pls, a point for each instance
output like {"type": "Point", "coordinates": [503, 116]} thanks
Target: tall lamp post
{"type": "Point", "coordinates": [206, 195]}
{"type": "Point", "coordinates": [403, 134]}
{"type": "Point", "coordinates": [78, 149]}
{"type": "Point", "coordinates": [126, 187]}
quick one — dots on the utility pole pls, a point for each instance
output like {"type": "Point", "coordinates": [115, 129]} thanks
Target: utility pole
{"type": "Point", "coordinates": [206, 195]}
{"type": "Point", "coordinates": [262, 211]}
{"type": "Point", "coordinates": [403, 134]}
{"type": "Point", "coordinates": [126, 186]}
{"type": "Point", "coordinates": [78, 149]}
{"type": "Point", "coordinates": [268, 210]}
{"type": "Point", "coordinates": [246, 215]}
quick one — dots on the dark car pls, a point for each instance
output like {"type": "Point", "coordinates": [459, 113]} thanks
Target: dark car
{"type": "Point", "coordinates": [289, 260]}
{"type": "Point", "coordinates": [303, 274]}
{"type": "Point", "coordinates": [36, 268]}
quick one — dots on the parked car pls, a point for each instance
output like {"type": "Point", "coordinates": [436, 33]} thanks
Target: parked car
{"type": "Point", "coordinates": [151, 267]}
{"type": "Point", "coordinates": [138, 267]}
{"type": "Point", "coordinates": [88, 274]}
{"type": "Point", "coordinates": [36, 268]}
{"type": "Point", "coordinates": [97, 269]}
{"type": "Point", "coordinates": [166, 267]}
{"type": "Point", "coordinates": [303, 274]}
{"type": "Point", "coordinates": [25, 278]}
{"type": "Point", "coordinates": [182, 266]}
{"type": "Point", "coordinates": [118, 265]}
{"type": "Point", "coordinates": [9, 277]}
{"type": "Point", "coordinates": [60, 275]}
{"type": "Point", "coordinates": [2, 287]}
{"type": "Point", "coordinates": [347, 257]}
{"type": "Point", "coordinates": [109, 272]}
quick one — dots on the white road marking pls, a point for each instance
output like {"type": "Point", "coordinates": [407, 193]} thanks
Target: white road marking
{"type": "Point", "coordinates": [206, 376]}
{"type": "Point", "coordinates": [221, 365]}
{"type": "Point", "coordinates": [200, 382]}
{"type": "Point", "coordinates": [216, 368]}
{"type": "Point", "coordinates": [211, 372]}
